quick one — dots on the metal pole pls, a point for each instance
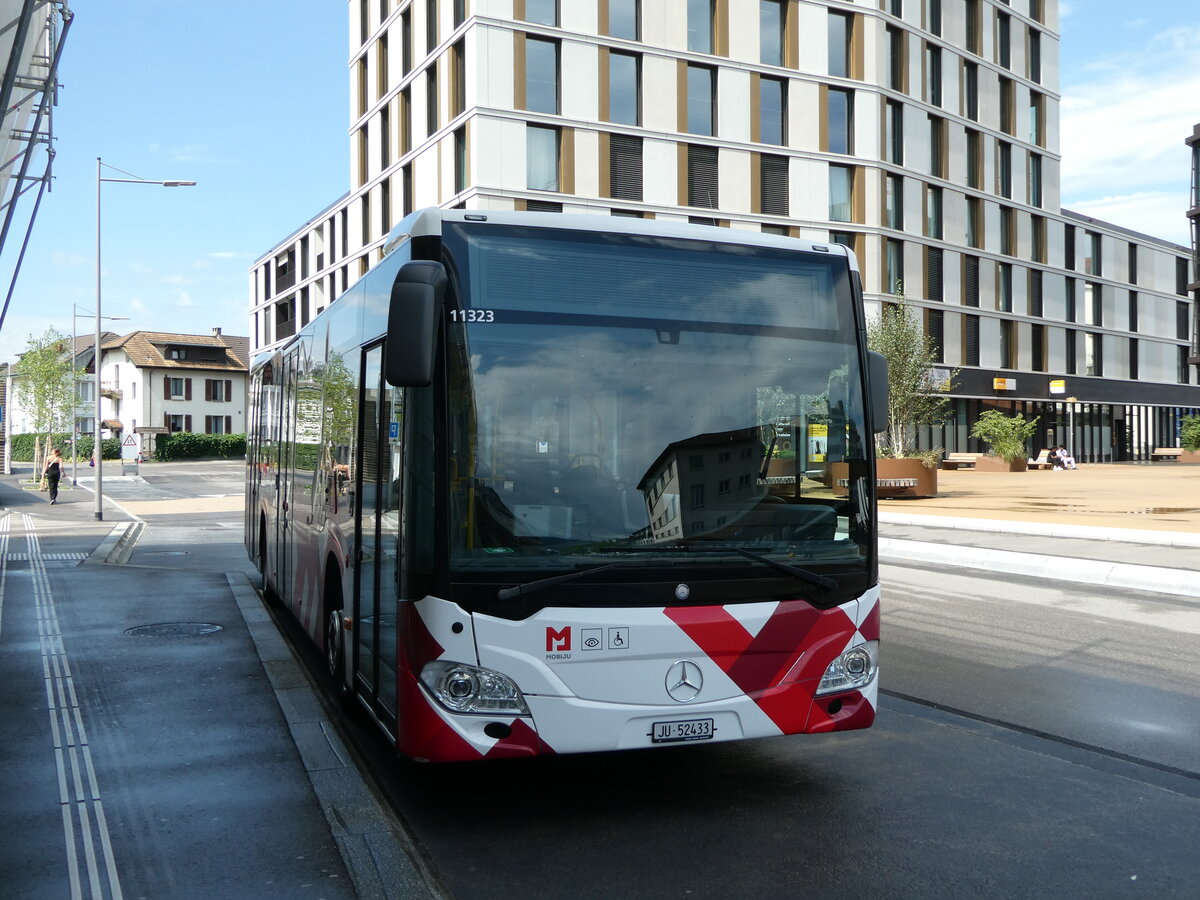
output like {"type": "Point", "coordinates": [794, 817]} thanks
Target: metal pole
{"type": "Point", "coordinates": [96, 447]}
{"type": "Point", "coordinates": [74, 404]}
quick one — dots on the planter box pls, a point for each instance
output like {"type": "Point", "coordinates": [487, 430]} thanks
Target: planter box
{"type": "Point", "coordinates": [1190, 457]}
{"type": "Point", "coordinates": [987, 463]}
{"type": "Point", "coordinates": [895, 479]}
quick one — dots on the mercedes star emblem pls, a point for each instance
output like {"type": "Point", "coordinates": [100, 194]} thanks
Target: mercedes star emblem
{"type": "Point", "coordinates": [684, 680]}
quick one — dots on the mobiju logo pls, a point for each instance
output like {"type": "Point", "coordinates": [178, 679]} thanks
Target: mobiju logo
{"type": "Point", "coordinates": [557, 640]}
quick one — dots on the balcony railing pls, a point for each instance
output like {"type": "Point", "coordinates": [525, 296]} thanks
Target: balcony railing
{"type": "Point", "coordinates": [110, 389]}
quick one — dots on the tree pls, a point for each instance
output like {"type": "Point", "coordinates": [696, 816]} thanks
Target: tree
{"type": "Point", "coordinates": [916, 395]}
{"type": "Point", "coordinates": [1189, 433]}
{"type": "Point", "coordinates": [45, 383]}
{"type": "Point", "coordinates": [1005, 435]}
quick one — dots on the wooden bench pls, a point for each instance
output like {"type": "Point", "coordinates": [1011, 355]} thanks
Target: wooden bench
{"type": "Point", "coordinates": [1042, 461]}
{"type": "Point", "coordinates": [1165, 453]}
{"type": "Point", "coordinates": [960, 460]}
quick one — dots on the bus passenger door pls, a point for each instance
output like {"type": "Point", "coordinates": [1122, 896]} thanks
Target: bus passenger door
{"type": "Point", "coordinates": [287, 446]}
{"type": "Point", "coordinates": [376, 561]}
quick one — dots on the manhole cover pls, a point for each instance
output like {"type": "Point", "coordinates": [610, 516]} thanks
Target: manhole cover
{"type": "Point", "coordinates": [173, 629]}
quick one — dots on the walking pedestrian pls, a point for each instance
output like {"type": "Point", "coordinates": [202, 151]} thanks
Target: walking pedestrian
{"type": "Point", "coordinates": [53, 472]}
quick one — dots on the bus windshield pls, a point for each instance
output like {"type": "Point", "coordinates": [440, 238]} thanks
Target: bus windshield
{"type": "Point", "coordinates": [652, 409]}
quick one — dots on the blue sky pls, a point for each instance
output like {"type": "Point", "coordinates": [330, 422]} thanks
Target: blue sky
{"type": "Point", "coordinates": [250, 99]}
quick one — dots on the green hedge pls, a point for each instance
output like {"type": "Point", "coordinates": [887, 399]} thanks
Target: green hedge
{"type": "Point", "coordinates": [23, 445]}
{"type": "Point", "coordinates": [185, 445]}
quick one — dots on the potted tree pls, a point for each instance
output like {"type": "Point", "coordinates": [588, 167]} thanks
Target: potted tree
{"type": "Point", "coordinates": [1189, 440]}
{"type": "Point", "coordinates": [916, 396]}
{"type": "Point", "coordinates": [1005, 437]}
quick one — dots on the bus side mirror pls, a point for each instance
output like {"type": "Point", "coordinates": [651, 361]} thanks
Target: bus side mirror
{"type": "Point", "coordinates": [413, 315]}
{"type": "Point", "coordinates": [877, 384]}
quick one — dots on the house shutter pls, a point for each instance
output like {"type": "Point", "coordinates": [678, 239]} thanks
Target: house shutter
{"type": "Point", "coordinates": [970, 340]}
{"type": "Point", "coordinates": [187, 389]}
{"type": "Point", "coordinates": [187, 423]}
{"type": "Point", "coordinates": [167, 421]}
{"type": "Point", "coordinates": [971, 280]}
{"type": "Point", "coordinates": [625, 167]}
{"type": "Point", "coordinates": [208, 388]}
{"type": "Point", "coordinates": [228, 390]}
{"type": "Point", "coordinates": [166, 387]}
{"type": "Point", "coordinates": [208, 424]}
{"type": "Point", "coordinates": [702, 176]}
{"type": "Point", "coordinates": [773, 175]}
{"type": "Point", "coordinates": [229, 424]}
{"type": "Point", "coordinates": [933, 265]}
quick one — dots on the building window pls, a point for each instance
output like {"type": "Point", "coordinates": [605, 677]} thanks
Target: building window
{"type": "Point", "coordinates": [896, 59]}
{"type": "Point", "coordinates": [893, 205]}
{"type": "Point", "coordinates": [934, 287]}
{"type": "Point", "coordinates": [544, 12]}
{"type": "Point", "coordinates": [1004, 290]}
{"type": "Point", "coordinates": [1092, 263]}
{"type": "Point", "coordinates": [1093, 304]}
{"type": "Point", "coordinates": [700, 26]}
{"type": "Point", "coordinates": [625, 167]}
{"type": "Point", "coordinates": [1004, 40]}
{"type": "Point", "coordinates": [893, 266]}
{"type": "Point", "coordinates": [841, 193]}
{"type": "Point", "coordinates": [1035, 56]}
{"type": "Point", "coordinates": [974, 222]}
{"type": "Point", "coordinates": [840, 32]}
{"type": "Point", "coordinates": [624, 19]}
{"type": "Point", "coordinates": [1069, 246]}
{"type": "Point", "coordinates": [1133, 358]}
{"type": "Point", "coordinates": [1093, 352]}
{"type": "Point", "coordinates": [431, 25]}
{"type": "Point", "coordinates": [1070, 311]}
{"type": "Point", "coordinates": [1037, 347]}
{"type": "Point", "coordinates": [385, 137]}
{"type": "Point", "coordinates": [937, 147]}
{"type": "Point", "coordinates": [933, 212]}
{"type": "Point", "coordinates": [933, 74]}
{"type": "Point", "coordinates": [772, 110]}
{"type": "Point", "coordinates": [1008, 344]}
{"type": "Point", "coordinates": [971, 91]}
{"type": "Point", "coordinates": [935, 331]}
{"type": "Point", "coordinates": [405, 135]}
{"type": "Point", "coordinates": [1133, 261]}
{"type": "Point", "coordinates": [1008, 231]}
{"type": "Point", "coordinates": [974, 159]}
{"type": "Point", "coordinates": [624, 88]}
{"type": "Point", "coordinates": [458, 80]}
{"type": "Point", "coordinates": [460, 160]}
{"type": "Point", "coordinates": [1037, 123]}
{"type": "Point", "coordinates": [702, 176]}
{"type": "Point", "coordinates": [840, 115]}
{"type": "Point", "coordinates": [893, 135]}
{"type": "Point", "coordinates": [1181, 321]}
{"type": "Point", "coordinates": [406, 54]}
{"type": "Point", "coordinates": [974, 29]}
{"type": "Point", "coordinates": [542, 158]}
{"type": "Point", "coordinates": [1181, 277]}
{"type": "Point", "coordinates": [541, 75]}
{"type": "Point", "coordinates": [1133, 310]}
{"type": "Point", "coordinates": [1035, 179]}
{"type": "Point", "coordinates": [1037, 238]}
{"type": "Point", "coordinates": [773, 185]}
{"type": "Point", "coordinates": [431, 100]}
{"type": "Point", "coordinates": [701, 99]}
{"type": "Point", "coordinates": [1070, 349]}
{"type": "Point", "coordinates": [970, 281]}
{"type": "Point", "coordinates": [1035, 293]}
{"type": "Point", "coordinates": [177, 388]}
{"type": "Point", "coordinates": [1007, 106]}
{"type": "Point", "coordinates": [770, 32]}
{"type": "Point", "coordinates": [176, 424]}
{"type": "Point", "coordinates": [970, 342]}
{"type": "Point", "coordinates": [1004, 169]}
{"type": "Point", "coordinates": [218, 424]}
{"type": "Point", "coordinates": [459, 11]}
{"type": "Point", "coordinates": [933, 17]}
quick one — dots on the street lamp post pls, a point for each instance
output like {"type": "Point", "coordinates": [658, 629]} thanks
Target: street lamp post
{"type": "Point", "coordinates": [75, 394]}
{"type": "Point", "coordinates": [97, 447]}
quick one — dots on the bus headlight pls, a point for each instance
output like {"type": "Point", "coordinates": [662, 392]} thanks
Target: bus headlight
{"type": "Point", "coordinates": [852, 670]}
{"type": "Point", "coordinates": [469, 689]}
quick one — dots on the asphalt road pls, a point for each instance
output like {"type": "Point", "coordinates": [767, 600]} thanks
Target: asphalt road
{"type": "Point", "coordinates": [1035, 740]}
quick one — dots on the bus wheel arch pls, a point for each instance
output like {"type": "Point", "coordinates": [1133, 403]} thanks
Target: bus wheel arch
{"type": "Point", "coordinates": [335, 632]}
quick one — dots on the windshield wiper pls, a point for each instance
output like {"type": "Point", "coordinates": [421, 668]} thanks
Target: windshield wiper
{"type": "Point", "coordinates": [532, 587]}
{"type": "Point", "coordinates": [805, 575]}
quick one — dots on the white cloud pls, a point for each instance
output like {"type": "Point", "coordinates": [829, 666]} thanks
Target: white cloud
{"type": "Point", "coordinates": [228, 254]}
{"type": "Point", "coordinates": [1158, 214]}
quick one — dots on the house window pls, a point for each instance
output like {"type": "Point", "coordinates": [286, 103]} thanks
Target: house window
{"type": "Point", "coordinates": [178, 423]}
{"type": "Point", "coordinates": [624, 88]}
{"type": "Point", "coordinates": [218, 390]}
{"type": "Point", "coordinates": [770, 32]}
{"type": "Point", "coordinates": [542, 158]}
{"type": "Point", "coordinates": [841, 193]}
{"type": "Point", "coordinates": [840, 120]}
{"type": "Point", "coordinates": [544, 12]}
{"type": "Point", "coordinates": [623, 19]}
{"type": "Point", "coordinates": [218, 424]}
{"type": "Point", "coordinates": [625, 167]}
{"type": "Point", "coordinates": [541, 75]}
{"type": "Point", "coordinates": [702, 176]}
{"type": "Point", "coordinates": [840, 32]}
{"type": "Point", "coordinates": [772, 110]}
{"type": "Point", "coordinates": [701, 99]}
{"type": "Point", "coordinates": [700, 26]}
{"type": "Point", "coordinates": [773, 185]}
{"type": "Point", "coordinates": [177, 388]}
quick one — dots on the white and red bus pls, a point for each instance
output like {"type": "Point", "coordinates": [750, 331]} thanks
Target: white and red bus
{"type": "Point", "coordinates": [542, 484]}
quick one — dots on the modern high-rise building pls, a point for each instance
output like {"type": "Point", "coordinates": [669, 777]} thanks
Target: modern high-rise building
{"type": "Point", "coordinates": [922, 133]}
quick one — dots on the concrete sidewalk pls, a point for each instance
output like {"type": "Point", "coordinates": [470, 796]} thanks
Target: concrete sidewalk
{"type": "Point", "coordinates": [1123, 525]}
